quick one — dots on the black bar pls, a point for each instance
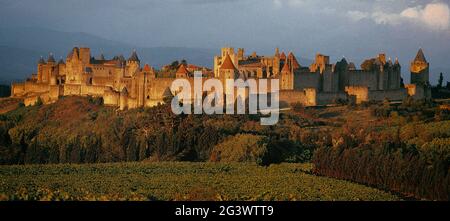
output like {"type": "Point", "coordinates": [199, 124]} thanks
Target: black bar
{"type": "Point", "coordinates": [301, 210]}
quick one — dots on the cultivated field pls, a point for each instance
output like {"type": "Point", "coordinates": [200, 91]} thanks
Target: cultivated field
{"type": "Point", "coordinates": [176, 181]}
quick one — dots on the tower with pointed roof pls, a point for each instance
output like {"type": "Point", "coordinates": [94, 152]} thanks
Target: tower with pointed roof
{"type": "Point", "coordinates": [133, 64]}
{"type": "Point", "coordinates": [224, 52]}
{"type": "Point", "coordinates": [286, 77]}
{"type": "Point", "coordinates": [51, 59]}
{"type": "Point", "coordinates": [182, 72]}
{"type": "Point", "coordinates": [292, 61]}
{"type": "Point", "coordinates": [420, 69]}
{"type": "Point", "coordinates": [227, 71]}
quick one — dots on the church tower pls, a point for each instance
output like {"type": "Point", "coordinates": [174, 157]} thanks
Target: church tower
{"type": "Point", "coordinates": [420, 69]}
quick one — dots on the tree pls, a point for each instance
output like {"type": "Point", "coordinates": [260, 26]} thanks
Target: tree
{"type": "Point", "coordinates": [38, 102]}
{"type": "Point", "coordinates": [441, 80]}
{"type": "Point", "coordinates": [174, 65]}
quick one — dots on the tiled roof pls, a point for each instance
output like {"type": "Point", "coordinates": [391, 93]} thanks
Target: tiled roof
{"type": "Point", "coordinates": [227, 64]}
{"type": "Point", "coordinates": [182, 69]}
{"type": "Point", "coordinates": [147, 68]}
{"type": "Point", "coordinates": [293, 60]}
{"type": "Point", "coordinates": [286, 68]}
{"type": "Point", "coordinates": [420, 56]}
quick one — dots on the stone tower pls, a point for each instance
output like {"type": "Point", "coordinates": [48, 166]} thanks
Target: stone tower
{"type": "Point", "coordinates": [420, 69]}
{"type": "Point", "coordinates": [241, 54]}
{"type": "Point", "coordinates": [227, 71]}
{"type": "Point", "coordinates": [133, 64]}
{"type": "Point", "coordinates": [182, 72]}
{"type": "Point", "coordinates": [286, 78]}
{"type": "Point", "coordinates": [75, 65]}
{"type": "Point", "coordinates": [85, 55]}
{"type": "Point", "coordinates": [219, 60]}
{"type": "Point", "coordinates": [292, 61]}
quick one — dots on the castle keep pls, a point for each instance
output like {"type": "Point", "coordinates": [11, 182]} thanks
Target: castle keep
{"type": "Point", "coordinates": [125, 83]}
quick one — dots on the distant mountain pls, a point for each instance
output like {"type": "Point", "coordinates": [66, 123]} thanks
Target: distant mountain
{"type": "Point", "coordinates": [16, 64]}
{"type": "Point", "coordinates": [20, 48]}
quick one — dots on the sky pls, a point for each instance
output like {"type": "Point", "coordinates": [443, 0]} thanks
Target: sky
{"type": "Point", "coordinates": [354, 29]}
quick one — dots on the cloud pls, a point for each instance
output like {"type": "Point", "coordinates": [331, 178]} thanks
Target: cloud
{"type": "Point", "coordinates": [358, 15]}
{"type": "Point", "coordinates": [434, 15]}
{"type": "Point", "coordinates": [386, 18]}
{"type": "Point", "coordinates": [289, 3]}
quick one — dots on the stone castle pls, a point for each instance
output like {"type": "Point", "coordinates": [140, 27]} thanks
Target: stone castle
{"type": "Point", "coordinates": [125, 83]}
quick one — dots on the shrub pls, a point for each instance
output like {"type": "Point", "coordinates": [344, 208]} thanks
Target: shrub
{"type": "Point", "coordinates": [298, 107]}
{"type": "Point", "coordinates": [95, 100]}
{"type": "Point", "coordinates": [38, 102]}
{"type": "Point", "coordinates": [240, 148]}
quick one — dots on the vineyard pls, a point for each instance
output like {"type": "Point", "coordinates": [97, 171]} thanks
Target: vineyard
{"type": "Point", "coordinates": [177, 181]}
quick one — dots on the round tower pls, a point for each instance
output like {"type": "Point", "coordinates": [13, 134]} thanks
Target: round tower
{"type": "Point", "coordinates": [227, 71]}
{"type": "Point", "coordinates": [420, 69]}
{"type": "Point", "coordinates": [133, 63]}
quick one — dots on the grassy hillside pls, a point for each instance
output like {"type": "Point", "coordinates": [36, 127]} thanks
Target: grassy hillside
{"type": "Point", "coordinates": [79, 130]}
{"type": "Point", "coordinates": [176, 181]}
{"type": "Point", "coordinates": [403, 147]}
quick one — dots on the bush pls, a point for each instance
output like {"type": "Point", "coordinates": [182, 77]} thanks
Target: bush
{"type": "Point", "coordinates": [95, 100]}
{"type": "Point", "coordinates": [298, 107]}
{"type": "Point", "coordinates": [38, 102]}
{"type": "Point", "coordinates": [240, 148]}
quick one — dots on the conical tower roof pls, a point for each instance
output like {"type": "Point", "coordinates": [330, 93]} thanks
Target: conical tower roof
{"type": "Point", "coordinates": [227, 64]}
{"type": "Point", "coordinates": [390, 62]}
{"type": "Point", "coordinates": [293, 60]}
{"type": "Point", "coordinates": [50, 58]}
{"type": "Point", "coordinates": [283, 56]}
{"type": "Point", "coordinates": [420, 56]}
{"type": "Point", "coordinates": [75, 51]}
{"type": "Point", "coordinates": [182, 69]}
{"type": "Point", "coordinates": [134, 56]}
{"type": "Point", "coordinates": [286, 68]}
{"type": "Point", "coordinates": [41, 60]}
{"type": "Point", "coordinates": [147, 68]}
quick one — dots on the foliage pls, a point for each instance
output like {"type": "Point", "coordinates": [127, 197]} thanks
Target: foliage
{"type": "Point", "coordinates": [412, 160]}
{"type": "Point", "coordinates": [240, 148]}
{"type": "Point", "coordinates": [39, 101]}
{"type": "Point", "coordinates": [40, 134]}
